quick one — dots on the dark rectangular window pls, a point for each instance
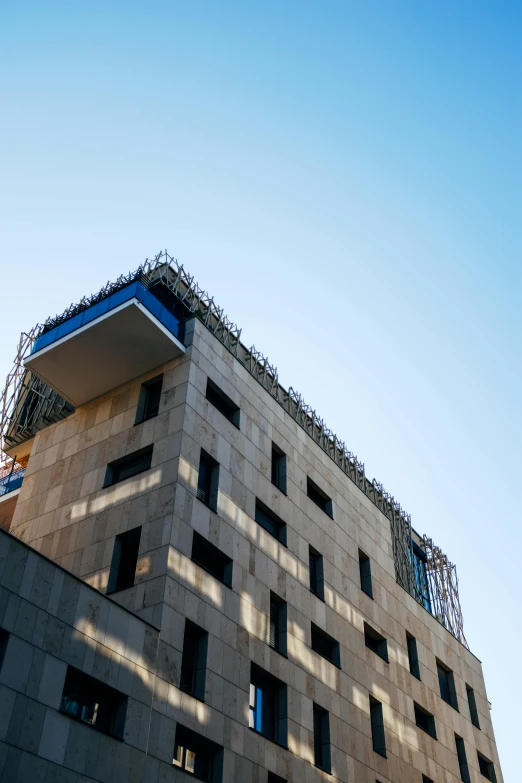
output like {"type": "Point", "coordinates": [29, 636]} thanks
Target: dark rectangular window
{"type": "Point", "coordinates": [124, 560]}
{"type": "Point", "coordinates": [315, 562]}
{"type": "Point", "coordinates": [268, 706]}
{"type": "Point", "coordinates": [149, 399]}
{"type": "Point", "coordinates": [128, 466]}
{"type": "Point", "coordinates": [421, 589]}
{"type": "Point", "coordinates": [88, 700]}
{"type": "Point", "coordinates": [319, 497]}
{"type": "Point", "coordinates": [463, 762]}
{"type": "Point", "coordinates": [376, 642]}
{"type": "Point", "coordinates": [365, 574]}
{"type": "Point", "coordinates": [473, 712]}
{"type": "Point", "coordinates": [212, 559]}
{"type": "Point", "coordinates": [4, 637]}
{"type": "Point", "coordinates": [325, 645]}
{"type": "Point", "coordinates": [413, 656]}
{"type": "Point", "coordinates": [447, 685]}
{"type": "Point", "coordinates": [194, 661]}
{"type": "Point", "coordinates": [278, 468]}
{"type": "Point", "coordinates": [278, 623]}
{"type": "Point", "coordinates": [273, 778]}
{"type": "Point", "coordinates": [197, 755]}
{"type": "Point", "coordinates": [224, 404]}
{"type": "Point", "coordinates": [208, 480]}
{"type": "Point", "coordinates": [322, 755]}
{"type": "Point", "coordinates": [425, 720]}
{"type": "Point", "coordinates": [270, 522]}
{"type": "Point", "coordinates": [377, 724]}
{"type": "Point", "coordinates": [487, 768]}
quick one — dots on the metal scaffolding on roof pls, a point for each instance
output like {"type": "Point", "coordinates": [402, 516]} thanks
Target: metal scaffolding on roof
{"type": "Point", "coordinates": [444, 590]}
{"type": "Point", "coordinates": [27, 405]}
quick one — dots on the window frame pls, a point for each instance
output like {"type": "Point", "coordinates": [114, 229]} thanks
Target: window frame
{"type": "Point", "coordinates": [365, 574]}
{"type": "Point", "coordinates": [223, 403]}
{"type": "Point", "coordinates": [273, 778]}
{"type": "Point", "coordinates": [449, 677]}
{"type": "Point", "coordinates": [377, 727]}
{"type": "Point", "coordinates": [472, 705]}
{"type": "Point", "coordinates": [413, 655]}
{"type": "Point", "coordinates": [112, 471]}
{"type": "Point", "coordinates": [270, 521]}
{"type": "Point", "coordinates": [489, 766]}
{"type": "Point", "coordinates": [321, 738]}
{"type": "Point", "coordinates": [208, 481]}
{"type": "Point", "coordinates": [425, 720]}
{"type": "Point", "coordinates": [278, 468]}
{"type": "Point", "coordinates": [462, 759]}
{"type": "Point", "coordinates": [215, 554]}
{"type": "Point", "coordinates": [190, 740]}
{"type": "Point", "coordinates": [319, 497]}
{"type": "Point", "coordinates": [130, 540]}
{"type": "Point", "coordinates": [318, 635]}
{"type": "Point", "coordinates": [194, 660]}
{"type": "Point", "coordinates": [265, 687]}
{"type": "Point", "coordinates": [278, 624]}
{"type": "Point", "coordinates": [143, 412]}
{"type": "Point", "coordinates": [376, 642]}
{"type": "Point", "coordinates": [87, 684]}
{"type": "Point", "coordinates": [316, 573]}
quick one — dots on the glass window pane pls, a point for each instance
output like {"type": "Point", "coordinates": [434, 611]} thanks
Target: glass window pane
{"type": "Point", "coordinates": [258, 725]}
{"type": "Point", "coordinates": [90, 712]}
{"type": "Point", "coordinates": [190, 761]}
{"type": "Point", "coordinates": [178, 757]}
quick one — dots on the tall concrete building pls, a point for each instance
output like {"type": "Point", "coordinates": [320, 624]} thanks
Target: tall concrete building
{"type": "Point", "coordinates": [198, 580]}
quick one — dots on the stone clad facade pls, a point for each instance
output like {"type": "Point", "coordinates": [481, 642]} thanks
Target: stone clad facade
{"type": "Point", "coordinates": [55, 621]}
{"type": "Point", "coordinates": [134, 638]}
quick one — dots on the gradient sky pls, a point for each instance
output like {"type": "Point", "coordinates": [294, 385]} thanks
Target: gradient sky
{"type": "Point", "coordinates": [345, 179]}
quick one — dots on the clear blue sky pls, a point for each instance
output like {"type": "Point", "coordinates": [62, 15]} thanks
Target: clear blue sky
{"type": "Point", "coordinates": [345, 178]}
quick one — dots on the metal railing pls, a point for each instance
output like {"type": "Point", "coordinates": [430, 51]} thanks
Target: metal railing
{"type": "Point", "coordinates": [12, 481]}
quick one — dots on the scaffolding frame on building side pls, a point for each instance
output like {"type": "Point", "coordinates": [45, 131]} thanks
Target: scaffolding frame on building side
{"type": "Point", "coordinates": [27, 403]}
{"type": "Point", "coordinates": [444, 590]}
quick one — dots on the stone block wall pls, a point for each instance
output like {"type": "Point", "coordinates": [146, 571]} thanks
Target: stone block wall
{"type": "Point", "coordinates": [64, 512]}
{"type": "Point", "coordinates": [53, 621]}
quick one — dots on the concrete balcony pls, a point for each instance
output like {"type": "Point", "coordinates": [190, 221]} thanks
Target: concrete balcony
{"type": "Point", "coordinates": [106, 345]}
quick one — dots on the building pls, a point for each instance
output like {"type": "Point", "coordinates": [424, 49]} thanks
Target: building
{"type": "Point", "coordinates": [197, 578]}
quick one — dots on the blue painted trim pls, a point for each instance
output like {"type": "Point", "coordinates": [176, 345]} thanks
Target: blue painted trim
{"type": "Point", "coordinates": [132, 291]}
